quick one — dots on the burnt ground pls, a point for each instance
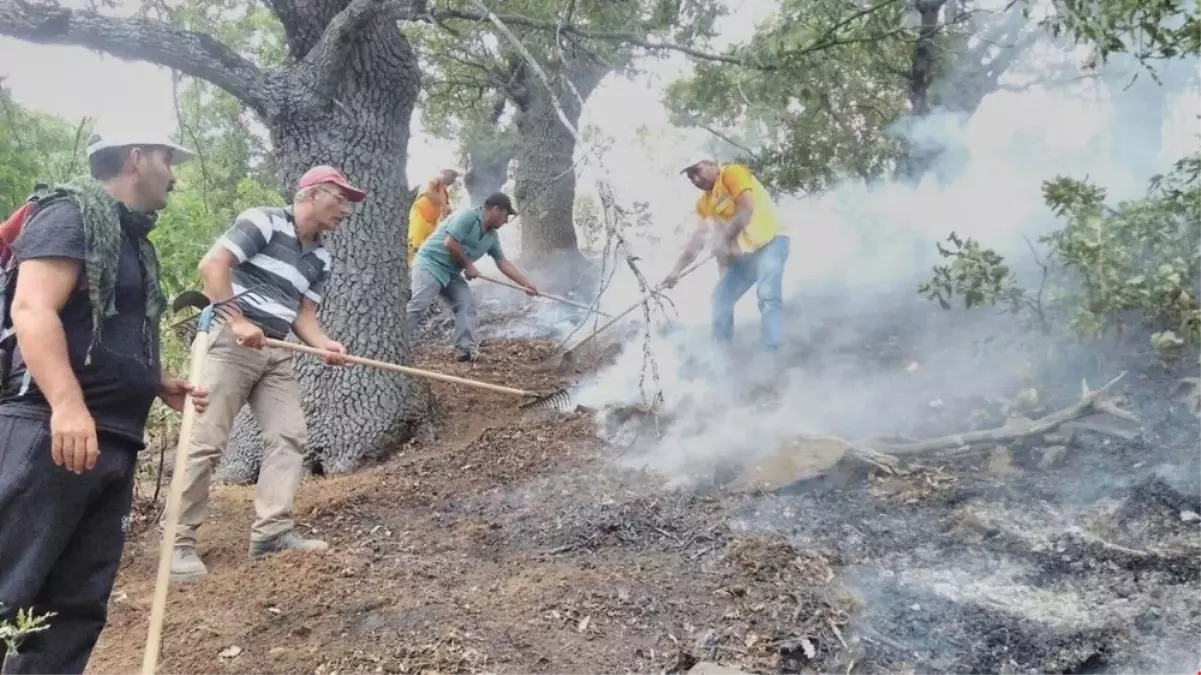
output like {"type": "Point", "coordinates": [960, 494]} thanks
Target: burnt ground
{"type": "Point", "coordinates": [515, 543]}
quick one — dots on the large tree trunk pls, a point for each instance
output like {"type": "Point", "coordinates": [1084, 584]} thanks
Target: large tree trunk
{"type": "Point", "coordinates": [544, 174]}
{"type": "Point", "coordinates": [355, 414]}
{"type": "Point", "coordinates": [489, 152]}
{"type": "Point", "coordinates": [919, 152]}
{"type": "Point", "coordinates": [488, 167]}
{"type": "Point", "coordinates": [952, 73]}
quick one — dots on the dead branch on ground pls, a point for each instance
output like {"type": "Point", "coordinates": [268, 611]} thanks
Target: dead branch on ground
{"type": "Point", "coordinates": [803, 456]}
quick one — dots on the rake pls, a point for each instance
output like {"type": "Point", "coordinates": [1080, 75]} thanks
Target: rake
{"type": "Point", "coordinates": [568, 355]}
{"type": "Point", "coordinates": [186, 330]}
{"type": "Point", "coordinates": [199, 338]}
{"type": "Point", "coordinates": [557, 298]}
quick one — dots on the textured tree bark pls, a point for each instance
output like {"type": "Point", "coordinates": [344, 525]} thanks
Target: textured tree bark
{"type": "Point", "coordinates": [488, 166]}
{"type": "Point", "coordinates": [355, 415]}
{"type": "Point", "coordinates": [544, 175]}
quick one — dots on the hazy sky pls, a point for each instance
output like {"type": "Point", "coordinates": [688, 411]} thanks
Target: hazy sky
{"type": "Point", "coordinates": [74, 82]}
{"type": "Point", "coordinates": [1027, 136]}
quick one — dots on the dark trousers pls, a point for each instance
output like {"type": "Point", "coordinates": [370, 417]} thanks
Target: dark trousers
{"type": "Point", "coordinates": [61, 538]}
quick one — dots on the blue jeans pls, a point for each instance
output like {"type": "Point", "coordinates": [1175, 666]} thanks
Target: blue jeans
{"type": "Point", "coordinates": [763, 269]}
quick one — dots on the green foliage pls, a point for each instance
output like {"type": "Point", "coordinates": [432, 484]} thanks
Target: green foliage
{"type": "Point", "coordinates": [979, 275]}
{"type": "Point", "coordinates": [472, 70]}
{"type": "Point", "coordinates": [1147, 31]}
{"type": "Point", "coordinates": [1142, 257]}
{"type": "Point", "coordinates": [36, 147]}
{"type": "Point", "coordinates": [815, 114]}
{"type": "Point", "coordinates": [14, 631]}
{"type": "Point", "coordinates": [249, 28]}
{"type": "Point", "coordinates": [228, 176]}
{"type": "Point", "coordinates": [1138, 262]}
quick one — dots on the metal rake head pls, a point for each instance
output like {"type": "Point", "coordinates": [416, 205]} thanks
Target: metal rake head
{"type": "Point", "coordinates": [186, 330]}
{"type": "Point", "coordinates": [556, 400]}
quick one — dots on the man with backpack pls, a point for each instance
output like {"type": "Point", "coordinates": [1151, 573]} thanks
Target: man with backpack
{"type": "Point", "coordinates": [82, 296]}
{"type": "Point", "coordinates": [279, 256]}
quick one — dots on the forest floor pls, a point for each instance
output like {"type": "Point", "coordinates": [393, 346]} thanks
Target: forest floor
{"type": "Point", "coordinates": [513, 542]}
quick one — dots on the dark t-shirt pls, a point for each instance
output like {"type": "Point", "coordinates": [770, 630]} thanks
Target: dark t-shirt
{"type": "Point", "coordinates": [118, 385]}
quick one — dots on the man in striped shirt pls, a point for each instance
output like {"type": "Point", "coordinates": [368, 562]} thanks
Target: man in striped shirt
{"type": "Point", "coordinates": [283, 249]}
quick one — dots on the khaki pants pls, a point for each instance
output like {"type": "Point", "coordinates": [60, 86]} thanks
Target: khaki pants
{"type": "Point", "coordinates": [235, 375]}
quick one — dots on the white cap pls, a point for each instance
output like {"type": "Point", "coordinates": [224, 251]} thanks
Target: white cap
{"type": "Point", "coordinates": [179, 154]}
{"type": "Point", "coordinates": [697, 160]}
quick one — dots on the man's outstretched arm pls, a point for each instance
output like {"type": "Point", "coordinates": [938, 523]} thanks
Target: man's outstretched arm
{"type": "Point", "coordinates": [693, 248]}
{"type": "Point", "coordinates": [510, 270]}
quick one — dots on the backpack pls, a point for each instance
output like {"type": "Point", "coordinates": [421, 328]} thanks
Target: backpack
{"type": "Point", "coordinates": [9, 231]}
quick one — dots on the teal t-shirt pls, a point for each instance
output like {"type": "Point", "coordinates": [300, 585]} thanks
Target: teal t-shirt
{"type": "Point", "coordinates": [467, 227]}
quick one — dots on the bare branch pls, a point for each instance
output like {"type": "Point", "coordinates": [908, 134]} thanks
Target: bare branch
{"type": "Point", "coordinates": [195, 54]}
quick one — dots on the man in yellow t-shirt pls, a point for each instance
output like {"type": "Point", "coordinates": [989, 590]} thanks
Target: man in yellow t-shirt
{"type": "Point", "coordinates": [737, 217]}
{"type": "Point", "coordinates": [431, 207]}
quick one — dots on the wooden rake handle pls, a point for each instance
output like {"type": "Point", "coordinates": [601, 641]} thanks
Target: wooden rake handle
{"type": "Point", "coordinates": [158, 606]}
{"type": "Point", "coordinates": [653, 292]}
{"type": "Point", "coordinates": [563, 300]}
{"type": "Point", "coordinates": [404, 370]}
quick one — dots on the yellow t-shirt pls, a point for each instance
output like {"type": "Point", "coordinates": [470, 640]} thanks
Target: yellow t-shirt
{"type": "Point", "coordinates": [424, 215]}
{"type": "Point", "coordinates": [721, 202]}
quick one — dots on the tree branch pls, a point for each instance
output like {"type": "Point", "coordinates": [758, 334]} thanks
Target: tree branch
{"type": "Point", "coordinates": [327, 60]}
{"type": "Point", "coordinates": [195, 54]}
{"type": "Point", "coordinates": [801, 457]}
{"type": "Point", "coordinates": [632, 38]}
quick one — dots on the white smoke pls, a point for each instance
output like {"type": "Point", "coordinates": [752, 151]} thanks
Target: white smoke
{"type": "Point", "coordinates": [859, 243]}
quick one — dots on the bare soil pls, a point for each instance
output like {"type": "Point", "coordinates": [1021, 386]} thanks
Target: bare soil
{"type": "Point", "coordinates": [511, 543]}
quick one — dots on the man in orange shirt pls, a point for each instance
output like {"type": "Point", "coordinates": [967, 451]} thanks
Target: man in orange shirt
{"type": "Point", "coordinates": [431, 207]}
{"type": "Point", "coordinates": [737, 216]}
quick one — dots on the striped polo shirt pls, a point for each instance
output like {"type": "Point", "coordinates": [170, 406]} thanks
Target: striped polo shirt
{"type": "Point", "coordinates": [264, 241]}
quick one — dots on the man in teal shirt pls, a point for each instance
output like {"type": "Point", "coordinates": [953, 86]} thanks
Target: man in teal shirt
{"type": "Point", "coordinates": [452, 249]}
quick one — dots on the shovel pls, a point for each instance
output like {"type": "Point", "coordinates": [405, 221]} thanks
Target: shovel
{"type": "Point", "coordinates": [544, 295]}
{"type": "Point", "coordinates": [555, 400]}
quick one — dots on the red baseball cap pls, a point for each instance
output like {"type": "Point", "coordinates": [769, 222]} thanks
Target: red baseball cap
{"type": "Point", "coordinates": [328, 174]}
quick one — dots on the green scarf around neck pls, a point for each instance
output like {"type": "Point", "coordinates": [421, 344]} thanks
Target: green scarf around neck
{"type": "Point", "coordinates": [103, 231]}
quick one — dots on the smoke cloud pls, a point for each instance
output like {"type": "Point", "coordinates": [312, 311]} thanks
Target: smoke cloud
{"type": "Point", "coordinates": [858, 254]}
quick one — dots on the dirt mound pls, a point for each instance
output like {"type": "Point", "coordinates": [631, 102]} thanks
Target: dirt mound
{"type": "Point", "coordinates": [512, 543]}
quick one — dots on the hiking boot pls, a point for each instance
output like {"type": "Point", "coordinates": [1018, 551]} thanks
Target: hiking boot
{"type": "Point", "coordinates": [186, 565]}
{"type": "Point", "coordinates": [287, 541]}
{"type": "Point", "coordinates": [466, 355]}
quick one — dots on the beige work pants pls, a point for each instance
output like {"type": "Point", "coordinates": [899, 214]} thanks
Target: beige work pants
{"type": "Point", "coordinates": [235, 375]}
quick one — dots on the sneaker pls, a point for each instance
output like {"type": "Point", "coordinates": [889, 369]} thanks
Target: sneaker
{"type": "Point", "coordinates": [287, 541]}
{"type": "Point", "coordinates": [186, 565]}
{"type": "Point", "coordinates": [465, 355]}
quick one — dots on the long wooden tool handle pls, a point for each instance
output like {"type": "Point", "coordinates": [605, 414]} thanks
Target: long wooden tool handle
{"type": "Point", "coordinates": [158, 607]}
{"type": "Point", "coordinates": [405, 370]}
{"type": "Point", "coordinates": [563, 300]}
{"type": "Point", "coordinates": [696, 265]}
